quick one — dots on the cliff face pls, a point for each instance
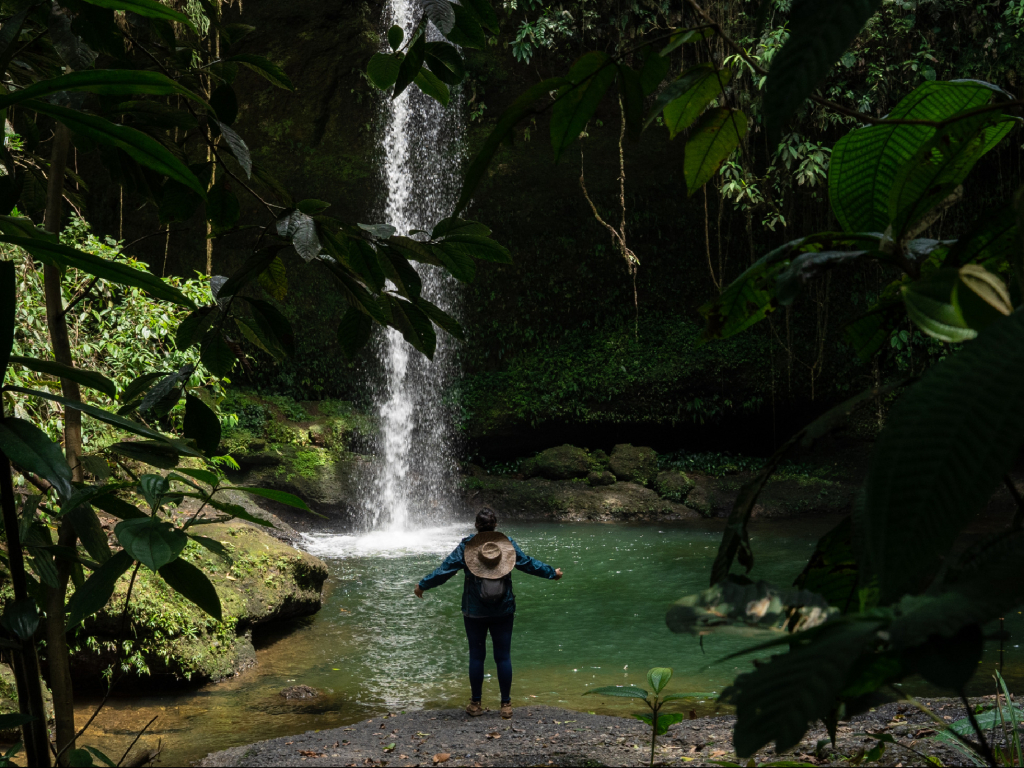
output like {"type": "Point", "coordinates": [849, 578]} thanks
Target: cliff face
{"type": "Point", "coordinates": [561, 341]}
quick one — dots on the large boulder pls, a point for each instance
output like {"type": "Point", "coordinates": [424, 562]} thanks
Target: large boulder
{"type": "Point", "coordinates": [673, 485]}
{"type": "Point", "coordinates": [565, 462]}
{"type": "Point", "coordinates": [259, 579]}
{"type": "Point", "coordinates": [633, 464]}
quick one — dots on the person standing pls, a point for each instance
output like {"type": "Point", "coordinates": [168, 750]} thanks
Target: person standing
{"type": "Point", "coordinates": [488, 603]}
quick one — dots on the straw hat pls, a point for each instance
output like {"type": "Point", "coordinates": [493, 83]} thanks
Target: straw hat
{"type": "Point", "coordinates": [490, 555]}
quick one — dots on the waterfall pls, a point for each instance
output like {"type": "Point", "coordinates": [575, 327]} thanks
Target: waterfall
{"type": "Point", "coordinates": [414, 478]}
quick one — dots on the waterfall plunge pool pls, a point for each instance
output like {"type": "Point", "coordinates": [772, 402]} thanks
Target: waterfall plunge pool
{"type": "Point", "coordinates": [374, 647]}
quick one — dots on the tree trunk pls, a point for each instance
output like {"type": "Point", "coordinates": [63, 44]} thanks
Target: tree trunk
{"type": "Point", "coordinates": [24, 660]}
{"type": "Point", "coordinates": [56, 638]}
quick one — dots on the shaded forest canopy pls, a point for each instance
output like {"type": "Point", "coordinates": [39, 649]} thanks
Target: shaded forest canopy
{"type": "Point", "coordinates": [568, 289]}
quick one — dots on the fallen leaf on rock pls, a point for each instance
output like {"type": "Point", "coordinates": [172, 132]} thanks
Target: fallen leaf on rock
{"type": "Point", "coordinates": [288, 743]}
{"type": "Point", "coordinates": [717, 753]}
{"type": "Point", "coordinates": [335, 745]}
{"type": "Point", "coordinates": [309, 753]}
{"type": "Point", "coordinates": [493, 735]}
{"type": "Point", "coordinates": [924, 732]}
{"type": "Point", "coordinates": [403, 757]}
{"type": "Point", "coordinates": [441, 757]}
{"type": "Point", "coordinates": [390, 747]}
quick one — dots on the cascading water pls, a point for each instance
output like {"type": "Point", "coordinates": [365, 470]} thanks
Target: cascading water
{"type": "Point", "coordinates": [413, 483]}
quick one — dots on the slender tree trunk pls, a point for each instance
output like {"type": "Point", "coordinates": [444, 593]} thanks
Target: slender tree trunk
{"type": "Point", "coordinates": [56, 638]}
{"type": "Point", "coordinates": [24, 660]}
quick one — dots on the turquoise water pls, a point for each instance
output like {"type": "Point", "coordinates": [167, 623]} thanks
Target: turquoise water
{"type": "Point", "coordinates": [374, 647]}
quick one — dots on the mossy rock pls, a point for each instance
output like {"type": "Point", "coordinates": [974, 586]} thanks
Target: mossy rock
{"type": "Point", "coordinates": [634, 464]}
{"type": "Point", "coordinates": [259, 580]}
{"type": "Point", "coordinates": [673, 485]}
{"type": "Point", "coordinates": [596, 478]}
{"type": "Point", "coordinates": [9, 702]}
{"type": "Point", "coordinates": [562, 463]}
{"type": "Point", "coordinates": [599, 460]}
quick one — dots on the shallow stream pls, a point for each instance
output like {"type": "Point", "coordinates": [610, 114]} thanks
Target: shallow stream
{"type": "Point", "coordinates": [374, 647]}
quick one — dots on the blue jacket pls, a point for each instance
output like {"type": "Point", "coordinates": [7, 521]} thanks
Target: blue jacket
{"type": "Point", "coordinates": [471, 603]}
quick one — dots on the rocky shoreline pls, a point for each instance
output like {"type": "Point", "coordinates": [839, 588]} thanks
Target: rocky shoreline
{"type": "Point", "coordinates": [543, 736]}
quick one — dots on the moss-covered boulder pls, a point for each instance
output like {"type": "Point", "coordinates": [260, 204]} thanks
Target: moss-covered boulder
{"type": "Point", "coordinates": [259, 580]}
{"type": "Point", "coordinates": [570, 500]}
{"type": "Point", "coordinates": [601, 478]}
{"type": "Point", "coordinates": [562, 463]}
{"type": "Point", "coordinates": [674, 485]}
{"type": "Point", "coordinates": [633, 464]}
{"type": "Point", "coordinates": [9, 702]}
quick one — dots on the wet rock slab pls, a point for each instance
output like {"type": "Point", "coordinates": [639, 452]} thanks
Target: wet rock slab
{"type": "Point", "coordinates": [543, 736]}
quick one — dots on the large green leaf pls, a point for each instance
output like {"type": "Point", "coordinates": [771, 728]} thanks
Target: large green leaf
{"type": "Point", "coordinates": [467, 31]}
{"type": "Point", "coordinates": [713, 140]}
{"type": "Point", "coordinates": [819, 33]}
{"type": "Point", "coordinates": [931, 306]}
{"type": "Point", "coordinates": [151, 541]}
{"type": "Point", "coordinates": [110, 418]}
{"type": "Point", "coordinates": [354, 331]}
{"type": "Point", "coordinates": [264, 67]}
{"type": "Point", "coordinates": [440, 318]}
{"type": "Point", "coordinates": [778, 700]}
{"type": "Point", "coordinates": [944, 450]}
{"type": "Point", "coordinates": [483, 11]}
{"type": "Point", "coordinates": [521, 107]}
{"type": "Point", "coordinates": [121, 274]}
{"type": "Point", "coordinates": [94, 594]}
{"type": "Point", "coordinates": [658, 678]}
{"type": "Point", "coordinates": [192, 583]}
{"type": "Point", "coordinates": [410, 66]}
{"type": "Point", "coordinates": [279, 496]}
{"type": "Point", "coordinates": [143, 149]}
{"type": "Point", "coordinates": [383, 69]}
{"type": "Point", "coordinates": [866, 162]}
{"type": "Point", "coordinates": [589, 79]}
{"type": "Point", "coordinates": [202, 425]}
{"type": "Point", "coordinates": [29, 447]}
{"type": "Point", "coordinates": [620, 691]}
{"type": "Point", "coordinates": [90, 379]}
{"type": "Point", "coordinates": [412, 323]}
{"type": "Point", "coordinates": [445, 62]}
{"type": "Point", "coordinates": [432, 86]}
{"type": "Point", "coordinates": [684, 99]}
{"type": "Point", "coordinates": [87, 527]}
{"type": "Point", "coordinates": [939, 166]}
{"type": "Point", "coordinates": [477, 247]}
{"type": "Point", "coordinates": [118, 82]}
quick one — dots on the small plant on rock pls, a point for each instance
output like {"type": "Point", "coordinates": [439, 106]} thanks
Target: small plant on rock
{"type": "Point", "coordinates": [657, 678]}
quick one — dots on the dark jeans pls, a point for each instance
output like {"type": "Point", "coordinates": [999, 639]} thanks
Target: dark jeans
{"type": "Point", "coordinates": [501, 638]}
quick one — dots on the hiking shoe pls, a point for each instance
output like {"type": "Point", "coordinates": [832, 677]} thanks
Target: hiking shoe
{"type": "Point", "coordinates": [506, 710]}
{"type": "Point", "coordinates": [473, 709]}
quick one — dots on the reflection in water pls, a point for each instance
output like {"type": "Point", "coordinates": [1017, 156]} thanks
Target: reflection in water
{"type": "Point", "coordinates": [374, 647]}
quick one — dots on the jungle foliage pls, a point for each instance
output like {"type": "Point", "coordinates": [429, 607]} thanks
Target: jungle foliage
{"type": "Point", "coordinates": [885, 595]}
{"type": "Point", "coordinates": [145, 89]}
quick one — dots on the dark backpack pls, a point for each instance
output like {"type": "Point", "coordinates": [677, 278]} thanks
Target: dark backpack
{"type": "Point", "coordinates": [493, 590]}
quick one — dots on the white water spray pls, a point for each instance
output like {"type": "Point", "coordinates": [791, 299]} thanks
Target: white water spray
{"type": "Point", "coordinates": [421, 149]}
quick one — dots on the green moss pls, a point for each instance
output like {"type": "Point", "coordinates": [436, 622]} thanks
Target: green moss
{"type": "Point", "coordinates": [170, 634]}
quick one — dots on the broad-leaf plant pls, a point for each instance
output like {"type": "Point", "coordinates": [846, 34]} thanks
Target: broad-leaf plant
{"type": "Point", "coordinates": [146, 90]}
{"type": "Point", "coordinates": [886, 594]}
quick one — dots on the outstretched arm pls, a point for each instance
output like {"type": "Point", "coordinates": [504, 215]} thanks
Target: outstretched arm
{"type": "Point", "coordinates": [533, 566]}
{"type": "Point", "coordinates": [451, 565]}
